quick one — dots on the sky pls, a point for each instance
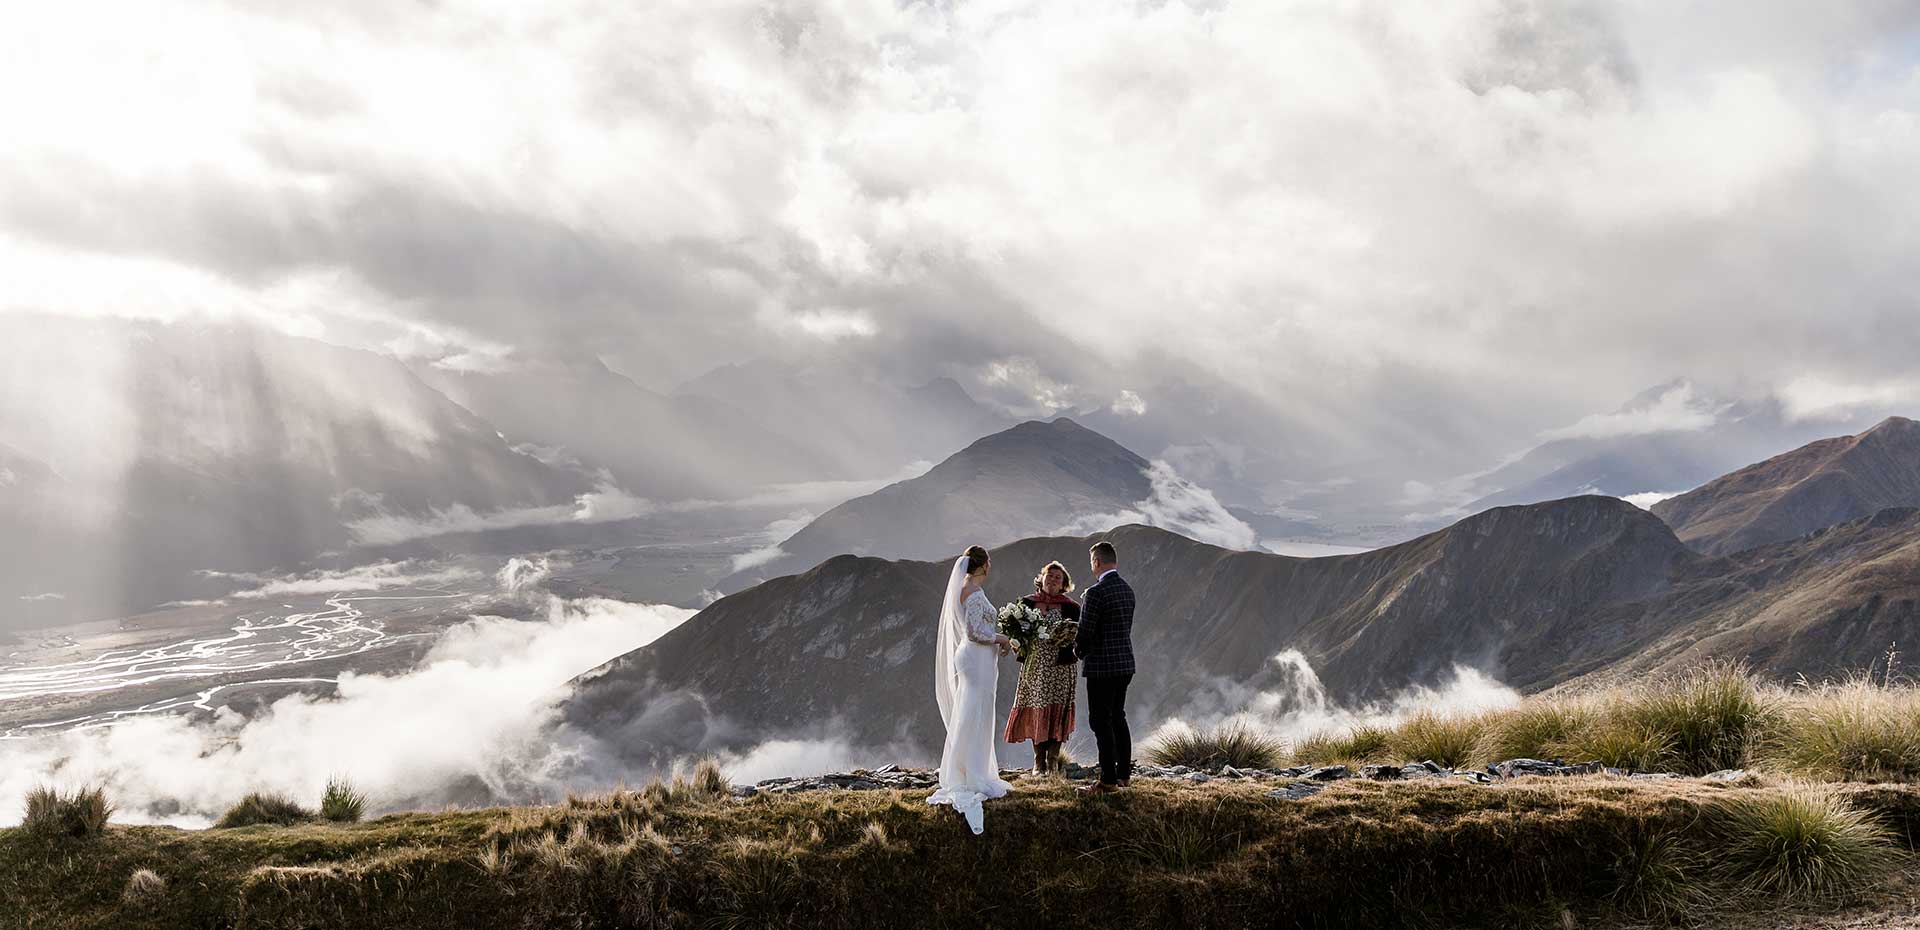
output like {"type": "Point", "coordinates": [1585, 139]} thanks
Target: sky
{"type": "Point", "coordinates": [1513, 213]}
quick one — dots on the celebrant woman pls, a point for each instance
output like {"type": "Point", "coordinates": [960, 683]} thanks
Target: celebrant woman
{"type": "Point", "coordinates": [1043, 701]}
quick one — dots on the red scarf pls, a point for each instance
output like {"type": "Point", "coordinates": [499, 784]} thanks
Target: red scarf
{"type": "Point", "coordinates": [1043, 599]}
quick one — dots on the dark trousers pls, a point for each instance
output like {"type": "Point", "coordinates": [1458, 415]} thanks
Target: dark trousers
{"type": "Point", "coordinates": [1107, 715]}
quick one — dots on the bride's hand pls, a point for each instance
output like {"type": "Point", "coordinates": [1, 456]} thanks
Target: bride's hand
{"type": "Point", "coordinates": [1005, 645]}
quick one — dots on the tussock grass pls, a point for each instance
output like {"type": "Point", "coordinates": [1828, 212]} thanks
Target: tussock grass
{"type": "Point", "coordinates": [1854, 730]}
{"type": "Point", "coordinates": [1537, 729]}
{"type": "Point", "coordinates": [82, 812]}
{"type": "Point", "coordinates": [264, 808]}
{"type": "Point", "coordinates": [1364, 743]}
{"type": "Point", "coordinates": [341, 803]}
{"type": "Point", "coordinates": [1622, 743]}
{"type": "Point", "coordinates": [1220, 854]}
{"type": "Point", "coordinates": [1186, 843]}
{"type": "Point", "coordinates": [1802, 843]}
{"type": "Point", "coordinates": [1715, 716]}
{"type": "Point", "coordinates": [1445, 739]}
{"type": "Point", "coordinates": [144, 887]}
{"type": "Point", "coordinates": [1227, 744]}
{"type": "Point", "coordinates": [1655, 877]}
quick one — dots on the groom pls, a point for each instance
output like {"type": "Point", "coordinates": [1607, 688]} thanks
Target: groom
{"type": "Point", "coordinates": [1104, 646]}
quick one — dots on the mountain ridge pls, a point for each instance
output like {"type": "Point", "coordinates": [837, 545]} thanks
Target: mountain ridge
{"type": "Point", "coordinates": [1819, 484]}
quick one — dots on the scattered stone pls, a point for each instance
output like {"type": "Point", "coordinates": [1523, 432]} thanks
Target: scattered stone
{"type": "Point", "coordinates": [1654, 776]}
{"type": "Point", "coordinates": [745, 791]}
{"type": "Point", "coordinates": [1515, 768]}
{"type": "Point", "coordinates": [1381, 772]}
{"type": "Point", "coordinates": [1727, 775]}
{"type": "Point", "coordinates": [1328, 773]}
{"type": "Point", "coordinates": [1298, 791]}
{"type": "Point", "coordinates": [1415, 770]}
{"type": "Point", "coordinates": [1198, 777]}
{"type": "Point", "coordinates": [887, 769]}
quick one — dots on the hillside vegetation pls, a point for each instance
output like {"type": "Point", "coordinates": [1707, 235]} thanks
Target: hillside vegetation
{"type": "Point", "coordinates": [1535, 852]}
{"type": "Point", "coordinates": [1799, 831]}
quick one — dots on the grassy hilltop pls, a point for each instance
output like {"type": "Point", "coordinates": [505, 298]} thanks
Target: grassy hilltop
{"type": "Point", "coordinates": [1791, 836]}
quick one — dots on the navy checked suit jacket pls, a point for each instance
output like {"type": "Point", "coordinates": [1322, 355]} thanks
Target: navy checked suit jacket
{"type": "Point", "coordinates": [1105, 640]}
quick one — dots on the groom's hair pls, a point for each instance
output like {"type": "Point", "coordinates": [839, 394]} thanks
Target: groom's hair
{"type": "Point", "coordinates": [1103, 551]}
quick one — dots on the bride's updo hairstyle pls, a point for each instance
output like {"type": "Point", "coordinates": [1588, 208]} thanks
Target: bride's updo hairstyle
{"type": "Point", "coordinates": [976, 559]}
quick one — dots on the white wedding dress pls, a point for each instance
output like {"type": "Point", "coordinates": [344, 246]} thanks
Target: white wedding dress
{"type": "Point", "coordinates": [966, 674]}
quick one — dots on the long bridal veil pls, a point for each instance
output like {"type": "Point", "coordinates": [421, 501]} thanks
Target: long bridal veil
{"type": "Point", "coordinates": [964, 674]}
{"type": "Point", "coordinates": [952, 634]}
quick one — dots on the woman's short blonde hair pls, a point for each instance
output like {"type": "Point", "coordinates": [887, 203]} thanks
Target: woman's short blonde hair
{"type": "Point", "coordinates": [1040, 580]}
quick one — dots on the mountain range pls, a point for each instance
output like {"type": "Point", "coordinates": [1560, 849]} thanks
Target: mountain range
{"type": "Point", "coordinates": [1790, 495]}
{"type": "Point", "coordinates": [1560, 593]}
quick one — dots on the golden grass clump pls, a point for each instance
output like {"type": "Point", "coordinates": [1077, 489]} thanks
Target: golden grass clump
{"type": "Point", "coordinates": [1854, 730]}
{"type": "Point", "coordinates": [1803, 843]}
{"type": "Point", "coordinates": [1619, 742]}
{"type": "Point", "coordinates": [1448, 740]}
{"type": "Point", "coordinates": [143, 887]}
{"type": "Point", "coordinates": [264, 807]}
{"type": "Point", "coordinates": [342, 803]}
{"type": "Point", "coordinates": [80, 813]}
{"type": "Point", "coordinates": [1234, 744]}
{"type": "Point", "coordinates": [1364, 743]}
{"type": "Point", "coordinates": [1714, 716]}
{"type": "Point", "coordinates": [1541, 728]}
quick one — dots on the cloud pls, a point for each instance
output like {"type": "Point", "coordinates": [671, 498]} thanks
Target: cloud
{"type": "Point", "coordinates": [775, 532]}
{"type": "Point", "coordinates": [1288, 699]}
{"type": "Point", "coordinates": [606, 503]}
{"type": "Point", "coordinates": [520, 574]}
{"type": "Point", "coordinates": [828, 325]}
{"type": "Point", "coordinates": [1129, 404]}
{"type": "Point", "coordinates": [1308, 550]}
{"type": "Point", "coordinates": [473, 721]}
{"type": "Point", "coordinates": [1679, 409]}
{"type": "Point", "coordinates": [378, 576]}
{"type": "Point", "coordinates": [1396, 226]}
{"type": "Point", "coordinates": [1646, 500]}
{"type": "Point", "coordinates": [46, 596]}
{"type": "Point", "coordinates": [1812, 397]}
{"type": "Point", "coordinates": [1179, 505]}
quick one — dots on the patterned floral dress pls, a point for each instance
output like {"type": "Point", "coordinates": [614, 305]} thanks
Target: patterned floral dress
{"type": "Point", "coordinates": [1043, 701]}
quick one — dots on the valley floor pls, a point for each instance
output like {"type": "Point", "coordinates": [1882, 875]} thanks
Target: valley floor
{"type": "Point", "coordinates": [1560, 852]}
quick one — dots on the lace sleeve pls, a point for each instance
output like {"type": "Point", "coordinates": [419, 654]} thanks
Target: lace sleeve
{"type": "Point", "coordinates": [981, 627]}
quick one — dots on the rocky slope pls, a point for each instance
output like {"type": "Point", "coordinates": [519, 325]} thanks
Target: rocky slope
{"type": "Point", "coordinates": [1788, 496]}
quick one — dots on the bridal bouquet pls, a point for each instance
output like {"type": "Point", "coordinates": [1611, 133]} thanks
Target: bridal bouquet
{"type": "Point", "coordinates": [1022, 624]}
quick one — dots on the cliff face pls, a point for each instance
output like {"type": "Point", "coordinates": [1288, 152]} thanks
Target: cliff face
{"type": "Point", "coordinates": [1511, 591]}
{"type": "Point", "coordinates": [1788, 496]}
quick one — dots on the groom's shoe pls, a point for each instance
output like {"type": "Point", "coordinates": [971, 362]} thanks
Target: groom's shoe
{"type": "Point", "coordinates": [1099, 787]}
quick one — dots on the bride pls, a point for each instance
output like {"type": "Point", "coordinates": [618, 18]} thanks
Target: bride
{"type": "Point", "coordinates": [965, 678]}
